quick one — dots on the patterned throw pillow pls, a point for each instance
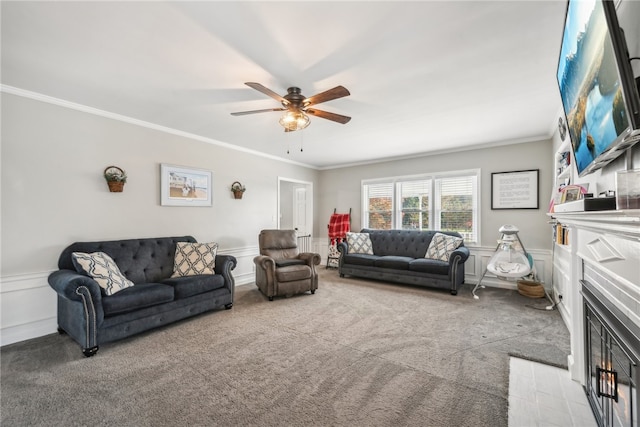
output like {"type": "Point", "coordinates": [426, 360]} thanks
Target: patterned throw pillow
{"type": "Point", "coordinates": [101, 268]}
{"type": "Point", "coordinates": [194, 258]}
{"type": "Point", "coordinates": [441, 246]}
{"type": "Point", "coordinates": [359, 243]}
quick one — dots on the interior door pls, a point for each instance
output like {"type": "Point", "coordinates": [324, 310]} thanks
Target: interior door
{"type": "Point", "coordinates": [300, 217]}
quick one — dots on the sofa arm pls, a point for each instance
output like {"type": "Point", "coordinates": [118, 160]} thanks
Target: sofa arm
{"type": "Point", "coordinates": [78, 294]}
{"type": "Point", "coordinates": [265, 263]}
{"type": "Point", "coordinates": [462, 254]}
{"type": "Point", "coordinates": [224, 265]}
{"type": "Point", "coordinates": [75, 286]}
{"type": "Point", "coordinates": [343, 248]}
{"type": "Point", "coordinates": [310, 258]}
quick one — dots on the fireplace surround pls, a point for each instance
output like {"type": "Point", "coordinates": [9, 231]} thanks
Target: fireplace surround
{"type": "Point", "coordinates": [598, 296]}
{"type": "Point", "coordinates": [612, 350]}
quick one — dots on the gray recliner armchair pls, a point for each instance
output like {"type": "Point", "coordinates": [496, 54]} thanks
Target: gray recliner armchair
{"type": "Point", "coordinates": [280, 269]}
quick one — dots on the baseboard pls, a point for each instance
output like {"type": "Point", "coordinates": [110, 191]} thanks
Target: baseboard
{"type": "Point", "coordinates": [27, 331]}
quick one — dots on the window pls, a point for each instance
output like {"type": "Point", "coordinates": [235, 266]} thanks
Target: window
{"type": "Point", "coordinates": [445, 201]}
{"type": "Point", "coordinates": [379, 205]}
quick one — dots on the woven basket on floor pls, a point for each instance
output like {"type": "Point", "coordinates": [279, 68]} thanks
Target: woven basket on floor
{"type": "Point", "coordinates": [530, 289]}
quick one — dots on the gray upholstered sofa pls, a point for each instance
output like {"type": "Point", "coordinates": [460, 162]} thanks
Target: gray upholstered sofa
{"type": "Point", "coordinates": [91, 317]}
{"type": "Point", "coordinates": [399, 256]}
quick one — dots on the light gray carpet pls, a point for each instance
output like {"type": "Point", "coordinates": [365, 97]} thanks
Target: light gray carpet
{"type": "Point", "coordinates": [356, 353]}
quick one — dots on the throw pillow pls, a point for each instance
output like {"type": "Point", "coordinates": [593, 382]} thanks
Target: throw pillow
{"type": "Point", "coordinates": [441, 246]}
{"type": "Point", "coordinates": [101, 268]}
{"type": "Point", "coordinates": [359, 243]}
{"type": "Point", "coordinates": [192, 259]}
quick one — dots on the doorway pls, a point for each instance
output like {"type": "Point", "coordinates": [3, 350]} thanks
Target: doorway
{"type": "Point", "coordinates": [295, 206]}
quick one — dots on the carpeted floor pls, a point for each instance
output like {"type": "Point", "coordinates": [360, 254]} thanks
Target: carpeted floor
{"type": "Point", "coordinates": [357, 353]}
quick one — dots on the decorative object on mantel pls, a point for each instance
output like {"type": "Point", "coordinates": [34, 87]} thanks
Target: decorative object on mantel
{"type": "Point", "coordinates": [238, 189]}
{"type": "Point", "coordinates": [116, 177]}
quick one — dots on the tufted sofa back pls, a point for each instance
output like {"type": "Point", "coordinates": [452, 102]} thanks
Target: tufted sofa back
{"type": "Point", "coordinates": [140, 260]}
{"type": "Point", "coordinates": [409, 243]}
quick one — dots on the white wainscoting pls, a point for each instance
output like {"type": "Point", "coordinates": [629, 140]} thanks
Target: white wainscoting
{"type": "Point", "coordinates": [245, 271]}
{"type": "Point", "coordinates": [28, 307]}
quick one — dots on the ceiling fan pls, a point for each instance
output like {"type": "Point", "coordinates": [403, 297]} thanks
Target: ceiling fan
{"type": "Point", "coordinates": [297, 106]}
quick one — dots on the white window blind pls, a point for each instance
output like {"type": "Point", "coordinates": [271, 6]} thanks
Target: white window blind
{"type": "Point", "coordinates": [456, 205]}
{"type": "Point", "coordinates": [414, 204]}
{"type": "Point", "coordinates": [379, 205]}
{"type": "Point", "coordinates": [426, 202]}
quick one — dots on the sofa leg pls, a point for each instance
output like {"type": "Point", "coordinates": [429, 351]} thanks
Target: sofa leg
{"type": "Point", "coordinates": [228, 306]}
{"type": "Point", "coordinates": [313, 291]}
{"type": "Point", "coordinates": [61, 331]}
{"type": "Point", "coordinates": [454, 292]}
{"type": "Point", "coordinates": [270, 298]}
{"type": "Point", "coordinates": [341, 275]}
{"type": "Point", "coordinates": [88, 352]}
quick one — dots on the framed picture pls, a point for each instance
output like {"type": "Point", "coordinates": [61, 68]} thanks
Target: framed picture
{"type": "Point", "coordinates": [515, 189]}
{"type": "Point", "coordinates": [571, 193]}
{"type": "Point", "coordinates": [181, 186]}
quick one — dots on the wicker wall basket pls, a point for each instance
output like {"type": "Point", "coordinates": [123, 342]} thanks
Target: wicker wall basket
{"type": "Point", "coordinates": [530, 289]}
{"type": "Point", "coordinates": [115, 186]}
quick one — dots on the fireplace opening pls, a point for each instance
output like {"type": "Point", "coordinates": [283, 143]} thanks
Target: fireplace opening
{"type": "Point", "coordinates": [612, 355]}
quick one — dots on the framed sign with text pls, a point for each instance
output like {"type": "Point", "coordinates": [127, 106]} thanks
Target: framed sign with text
{"type": "Point", "coordinates": [515, 189]}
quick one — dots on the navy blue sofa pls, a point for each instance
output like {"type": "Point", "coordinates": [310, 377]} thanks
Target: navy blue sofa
{"type": "Point", "coordinates": [92, 318]}
{"type": "Point", "coordinates": [399, 257]}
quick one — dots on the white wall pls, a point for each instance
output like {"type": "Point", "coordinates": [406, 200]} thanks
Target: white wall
{"type": "Point", "coordinates": [53, 194]}
{"type": "Point", "coordinates": [340, 188]}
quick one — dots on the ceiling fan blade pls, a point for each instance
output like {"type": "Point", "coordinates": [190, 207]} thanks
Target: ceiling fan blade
{"type": "Point", "coordinates": [243, 113]}
{"type": "Point", "coordinates": [328, 95]}
{"type": "Point", "coordinates": [329, 116]}
{"type": "Point", "coordinates": [267, 91]}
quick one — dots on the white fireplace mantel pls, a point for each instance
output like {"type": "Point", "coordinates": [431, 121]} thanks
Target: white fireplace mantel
{"type": "Point", "coordinates": [625, 222]}
{"type": "Point", "coordinates": [604, 247]}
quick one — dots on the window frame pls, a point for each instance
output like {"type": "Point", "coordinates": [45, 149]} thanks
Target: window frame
{"type": "Point", "coordinates": [434, 205]}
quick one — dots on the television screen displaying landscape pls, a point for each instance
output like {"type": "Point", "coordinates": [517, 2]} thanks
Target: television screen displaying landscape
{"type": "Point", "coordinates": [589, 83]}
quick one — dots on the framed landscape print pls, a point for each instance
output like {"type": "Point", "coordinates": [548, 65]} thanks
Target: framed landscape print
{"type": "Point", "coordinates": [183, 186]}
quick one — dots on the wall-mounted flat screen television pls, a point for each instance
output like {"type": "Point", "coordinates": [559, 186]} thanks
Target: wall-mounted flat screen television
{"type": "Point", "coordinates": [598, 91]}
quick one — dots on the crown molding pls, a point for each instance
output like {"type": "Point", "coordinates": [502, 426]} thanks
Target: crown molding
{"type": "Point", "coordinates": [125, 119]}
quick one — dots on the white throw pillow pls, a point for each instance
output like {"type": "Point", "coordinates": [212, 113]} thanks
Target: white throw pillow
{"type": "Point", "coordinates": [442, 245]}
{"type": "Point", "coordinates": [192, 259]}
{"type": "Point", "coordinates": [359, 243]}
{"type": "Point", "coordinates": [103, 269]}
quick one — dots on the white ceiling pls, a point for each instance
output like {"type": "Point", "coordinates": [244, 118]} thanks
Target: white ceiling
{"type": "Point", "coordinates": [424, 77]}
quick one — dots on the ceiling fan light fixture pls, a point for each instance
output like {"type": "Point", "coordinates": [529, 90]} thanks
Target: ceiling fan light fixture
{"type": "Point", "coordinates": [294, 120]}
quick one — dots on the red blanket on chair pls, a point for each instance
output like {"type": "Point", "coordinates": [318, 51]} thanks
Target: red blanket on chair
{"type": "Point", "coordinates": [338, 226]}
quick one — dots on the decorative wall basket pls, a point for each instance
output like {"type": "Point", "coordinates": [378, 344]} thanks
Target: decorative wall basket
{"type": "Point", "coordinates": [238, 190]}
{"type": "Point", "coordinates": [115, 177]}
{"type": "Point", "coordinates": [115, 186]}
